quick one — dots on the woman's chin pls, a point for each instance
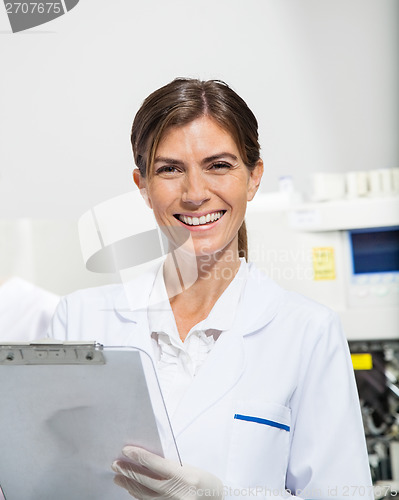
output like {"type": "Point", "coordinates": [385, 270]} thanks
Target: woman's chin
{"type": "Point", "coordinates": [209, 254]}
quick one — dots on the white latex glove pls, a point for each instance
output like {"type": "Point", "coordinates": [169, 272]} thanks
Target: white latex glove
{"type": "Point", "coordinates": [147, 476]}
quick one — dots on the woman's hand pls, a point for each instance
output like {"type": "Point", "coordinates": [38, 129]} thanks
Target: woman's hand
{"type": "Point", "coordinates": [147, 476]}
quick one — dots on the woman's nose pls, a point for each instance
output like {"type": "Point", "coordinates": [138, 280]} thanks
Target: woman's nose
{"type": "Point", "coordinates": [195, 190]}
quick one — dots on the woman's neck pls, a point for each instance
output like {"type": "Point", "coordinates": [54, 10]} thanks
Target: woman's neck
{"type": "Point", "coordinates": [210, 273]}
{"type": "Point", "coordinates": [194, 284]}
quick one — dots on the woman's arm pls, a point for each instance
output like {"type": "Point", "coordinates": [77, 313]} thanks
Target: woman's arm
{"type": "Point", "coordinates": [328, 455]}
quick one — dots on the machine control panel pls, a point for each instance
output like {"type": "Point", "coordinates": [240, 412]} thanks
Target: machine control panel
{"type": "Point", "coordinates": [373, 266]}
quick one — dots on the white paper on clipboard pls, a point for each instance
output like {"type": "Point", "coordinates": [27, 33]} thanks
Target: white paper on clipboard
{"type": "Point", "coordinates": [66, 412]}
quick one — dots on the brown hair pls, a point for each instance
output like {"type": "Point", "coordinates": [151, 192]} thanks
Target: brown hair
{"type": "Point", "coordinates": [184, 100]}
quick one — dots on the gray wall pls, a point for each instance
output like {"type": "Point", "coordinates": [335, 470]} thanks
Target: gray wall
{"type": "Point", "coordinates": [321, 75]}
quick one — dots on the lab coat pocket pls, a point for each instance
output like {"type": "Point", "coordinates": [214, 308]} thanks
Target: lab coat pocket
{"type": "Point", "coordinates": [259, 445]}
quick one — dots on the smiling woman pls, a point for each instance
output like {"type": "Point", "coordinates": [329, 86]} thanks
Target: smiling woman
{"type": "Point", "coordinates": [200, 181]}
{"type": "Point", "coordinates": [196, 146]}
{"type": "Point", "coordinates": [257, 381]}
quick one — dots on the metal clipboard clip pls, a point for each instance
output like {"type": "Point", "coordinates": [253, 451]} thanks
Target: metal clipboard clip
{"type": "Point", "coordinates": [52, 353]}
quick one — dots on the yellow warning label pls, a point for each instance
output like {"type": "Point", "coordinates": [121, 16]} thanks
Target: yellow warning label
{"type": "Point", "coordinates": [362, 361]}
{"type": "Point", "coordinates": [323, 263]}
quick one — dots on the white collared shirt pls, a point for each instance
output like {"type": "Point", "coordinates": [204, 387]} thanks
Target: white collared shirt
{"type": "Point", "coordinates": [178, 362]}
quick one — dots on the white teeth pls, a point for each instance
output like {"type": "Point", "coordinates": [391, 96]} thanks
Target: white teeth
{"type": "Point", "coordinates": [199, 221]}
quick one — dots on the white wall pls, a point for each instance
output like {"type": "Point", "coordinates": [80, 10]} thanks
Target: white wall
{"type": "Point", "coordinates": [321, 75]}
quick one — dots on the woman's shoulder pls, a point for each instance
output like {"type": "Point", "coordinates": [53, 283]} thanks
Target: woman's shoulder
{"type": "Point", "coordinates": [86, 297]}
{"type": "Point", "coordinates": [288, 317]}
{"type": "Point", "coordinates": [288, 303]}
{"type": "Point", "coordinates": [104, 292]}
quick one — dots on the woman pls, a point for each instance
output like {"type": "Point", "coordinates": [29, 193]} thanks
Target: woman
{"type": "Point", "coordinates": [257, 380]}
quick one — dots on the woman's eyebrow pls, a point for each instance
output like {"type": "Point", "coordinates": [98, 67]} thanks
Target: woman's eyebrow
{"type": "Point", "coordinates": [219, 156]}
{"type": "Point", "coordinates": [171, 161]}
{"type": "Point", "coordinates": [208, 159]}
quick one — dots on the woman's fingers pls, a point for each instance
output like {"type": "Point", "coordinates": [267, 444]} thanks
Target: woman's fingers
{"type": "Point", "coordinates": [140, 475]}
{"type": "Point", "coordinates": [131, 469]}
{"type": "Point", "coordinates": [152, 476]}
{"type": "Point", "coordinates": [162, 466]}
{"type": "Point", "coordinates": [135, 489]}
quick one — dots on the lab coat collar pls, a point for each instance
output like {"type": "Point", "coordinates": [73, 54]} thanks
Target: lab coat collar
{"type": "Point", "coordinates": [131, 303]}
{"type": "Point", "coordinates": [260, 302]}
{"type": "Point", "coordinates": [260, 299]}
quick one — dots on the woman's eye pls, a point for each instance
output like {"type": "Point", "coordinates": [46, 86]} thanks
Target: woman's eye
{"type": "Point", "coordinates": [167, 169]}
{"type": "Point", "coordinates": [220, 166]}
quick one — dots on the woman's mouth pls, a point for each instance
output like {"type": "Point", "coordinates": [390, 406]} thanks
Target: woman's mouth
{"type": "Point", "coordinates": [202, 220]}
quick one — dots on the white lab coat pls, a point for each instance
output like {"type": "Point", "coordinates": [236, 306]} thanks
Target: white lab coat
{"type": "Point", "coordinates": [286, 361]}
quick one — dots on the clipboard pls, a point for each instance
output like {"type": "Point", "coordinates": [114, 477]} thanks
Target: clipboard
{"type": "Point", "coordinates": [67, 410]}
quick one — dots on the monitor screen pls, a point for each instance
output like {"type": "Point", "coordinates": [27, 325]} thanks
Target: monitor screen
{"type": "Point", "coordinates": [375, 250]}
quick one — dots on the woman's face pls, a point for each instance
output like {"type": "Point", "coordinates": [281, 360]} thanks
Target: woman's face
{"type": "Point", "coordinates": [200, 183]}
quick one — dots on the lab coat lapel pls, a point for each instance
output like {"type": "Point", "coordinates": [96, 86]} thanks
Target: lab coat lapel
{"type": "Point", "coordinates": [218, 375]}
{"type": "Point", "coordinates": [131, 306]}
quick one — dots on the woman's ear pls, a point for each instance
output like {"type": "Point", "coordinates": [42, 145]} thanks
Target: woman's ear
{"type": "Point", "coordinates": [254, 179]}
{"type": "Point", "coordinates": [141, 183]}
